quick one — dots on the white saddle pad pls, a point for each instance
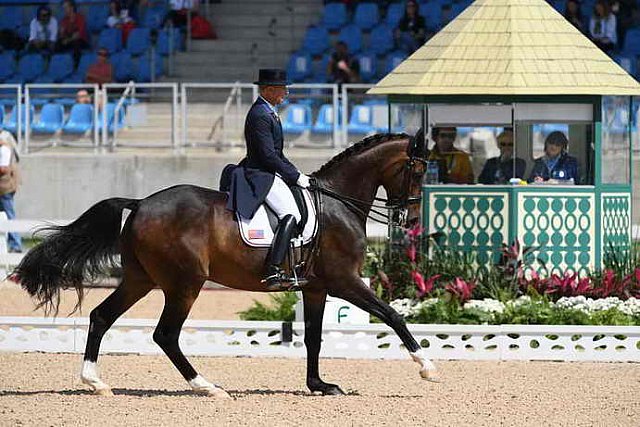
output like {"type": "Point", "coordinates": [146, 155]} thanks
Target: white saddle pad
{"type": "Point", "coordinates": [257, 231]}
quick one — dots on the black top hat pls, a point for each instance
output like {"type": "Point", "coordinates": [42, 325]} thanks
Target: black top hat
{"type": "Point", "coordinates": [272, 77]}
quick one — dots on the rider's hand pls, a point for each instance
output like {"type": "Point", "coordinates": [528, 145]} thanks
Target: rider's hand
{"type": "Point", "coordinates": [303, 181]}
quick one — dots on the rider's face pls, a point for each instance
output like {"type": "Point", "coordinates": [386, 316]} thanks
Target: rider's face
{"type": "Point", "coordinates": [275, 94]}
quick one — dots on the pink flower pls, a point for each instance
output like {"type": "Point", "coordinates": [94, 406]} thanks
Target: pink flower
{"type": "Point", "coordinates": [415, 232]}
{"type": "Point", "coordinates": [411, 252]}
{"type": "Point", "coordinates": [460, 289]}
{"type": "Point", "coordinates": [424, 286]}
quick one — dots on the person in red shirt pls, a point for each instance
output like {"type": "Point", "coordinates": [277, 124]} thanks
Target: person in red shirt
{"type": "Point", "coordinates": [73, 31]}
{"type": "Point", "coordinates": [100, 71]}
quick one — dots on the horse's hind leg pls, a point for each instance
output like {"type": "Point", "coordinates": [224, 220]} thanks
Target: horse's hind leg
{"type": "Point", "coordinates": [134, 285]}
{"type": "Point", "coordinates": [176, 309]}
{"type": "Point", "coordinates": [357, 293]}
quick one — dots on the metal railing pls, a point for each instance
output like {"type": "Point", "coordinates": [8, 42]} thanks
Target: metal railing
{"type": "Point", "coordinates": [17, 100]}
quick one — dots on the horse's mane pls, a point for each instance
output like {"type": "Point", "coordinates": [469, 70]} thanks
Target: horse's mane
{"type": "Point", "coordinates": [359, 147]}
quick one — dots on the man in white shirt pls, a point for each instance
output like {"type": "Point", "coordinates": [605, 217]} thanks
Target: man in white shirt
{"type": "Point", "coordinates": [9, 183]}
{"type": "Point", "coordinates": [43, 31]}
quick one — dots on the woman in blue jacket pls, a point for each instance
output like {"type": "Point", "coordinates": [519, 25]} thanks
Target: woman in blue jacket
{"type": "Point", "coordinates": [556, 163]}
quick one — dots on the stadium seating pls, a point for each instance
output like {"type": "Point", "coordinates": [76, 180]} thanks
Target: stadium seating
{"type": "Point", "coordinates": [324, 122]}
{"type": "Point", "coordinates": [366, 16]}
{"type": "Point", "coordinates": [60, 67]}
{"type": "Point", "coordinates": [361, 120]}
{"type": "Point", "coordinates": [334, 16]}
{"type": "Point", "coordinates": [297, 119]}
{"type": "Point", "coordinates": [628, 62]}
{"type": "Point", "coordinates": [432, 13]}
{"type": "Point", "coordinates": [352, 36]}
{"type": "Point", "coordinates": [368, 66]}
{"type": "Point", "coordinates": [143, 70]}
{"type": "Point", "coordinates": [316, 40]}
{"type": "Point", "coordinates": [153, 17]}
{"type": "Point", "coordinates": [7, 66]}
{"type": "Point", "coordinates": [164, 45]}
{"type": "Point", "coordinates": [96, 16]}
{"type": "Point", "coordinates": [381, 39]}
{"type": "Point", "coordinates": [123, 69]}
{"type": "Point", "coordinates": [51, 119]}
{"type": "Point", "coordinates": [111, 125]}
{"type": "Point", "coordinates": [632, 42]}
{"type": "Point", "coordinates": [110, 39]}
{"type": "Point", "coordinates": [12, 122]}
{"type": "Point", "coordinates": [30, 67]}
{"type": "Point", "coordinates": [320, 69]}
{"type": "Point", "coordinates": [393, 60]}
{"type": "Point", "coordinates": [11, 17]}
{"type": "Point", "coordinates": [299, 67]}
{"type": "Point", "coordinates": [80, 119]}
{"type": "Point", "coordinates": [139, 41]}
{"type": "Point", "coordinates": [395, 12]}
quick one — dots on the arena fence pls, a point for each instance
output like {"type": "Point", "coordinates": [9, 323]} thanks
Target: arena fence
{"type": "Point", "coordinates": [275, 339]}
{"type": "Point", "coordinates": [11, 95]}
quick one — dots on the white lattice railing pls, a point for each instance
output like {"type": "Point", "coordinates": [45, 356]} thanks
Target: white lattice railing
{"type": "Point", "coordinates": [232, 338]}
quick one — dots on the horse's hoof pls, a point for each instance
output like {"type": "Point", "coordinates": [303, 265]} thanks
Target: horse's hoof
{"type": "Point", "coordinates": [103, 392]}
{"type": "Point", "coordinates": [429, 375]}
{"type": "Point", "coordinates": [216, 392]}
{"type": "Point", "coordinates": [333, 390]}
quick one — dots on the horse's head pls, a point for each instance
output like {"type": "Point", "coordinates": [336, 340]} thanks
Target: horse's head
{"type": "Point", "coordinates": [403, 183]}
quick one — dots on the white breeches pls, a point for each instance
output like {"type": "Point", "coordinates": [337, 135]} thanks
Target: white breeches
{"type": "Point", "coordinates": [281, 200]}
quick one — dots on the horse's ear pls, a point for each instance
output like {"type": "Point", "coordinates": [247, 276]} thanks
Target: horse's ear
{"type": "Point", "coordinates": [418, 146]}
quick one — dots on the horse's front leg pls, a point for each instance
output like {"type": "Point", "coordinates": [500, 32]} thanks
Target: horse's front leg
{"type": "Point", "coordinates": [356, 292]}
{"type": "Point", "coordinates": [314, 297]}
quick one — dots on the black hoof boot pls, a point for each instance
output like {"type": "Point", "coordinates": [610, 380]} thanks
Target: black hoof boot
{"type": "Point", "coordinates": [325, 388]}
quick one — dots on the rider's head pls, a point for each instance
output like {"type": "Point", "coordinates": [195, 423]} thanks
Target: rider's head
{"type": "Point", "coordinates": [273, 85]}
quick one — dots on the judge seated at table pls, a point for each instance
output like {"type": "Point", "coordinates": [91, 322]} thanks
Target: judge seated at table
{"type": "Point", "coordinates": [455, 165]}
{"type": "Point", "coordinates": [499, 170]}
{"type": "Point", "coordinates": [556, 164]}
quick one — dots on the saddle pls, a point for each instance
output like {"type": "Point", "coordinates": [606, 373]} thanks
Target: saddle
{"type": "Point", "coordinates": [258, 231]}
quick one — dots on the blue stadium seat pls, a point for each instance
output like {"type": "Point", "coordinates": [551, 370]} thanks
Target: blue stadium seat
{"type": "Point", "coordinates": [111, 125]}
{"type": "Point", "coordinates": [51, 119]}
{"type": "Point", "coordinates": [632, 42]}
{"type": "Point", "coordinates": [352, 36]}
{"type": "Point", "coordinates": [97, 17]}
{"type": "Point", "coordinates": [299, 67]}
{"type": "Point", "coordinates": [393, 60]}
{"type": "Point", "coordinates": [297, 119]}
{"type": "Point", "coordinates": [139, 41]}
{"type": "Point", "coordinates": [361, 120]}
{"type": "Point", "coordinates": [316, 40]}
{"type": "Point", "coordinates": [80, 119]}
{"type": "Point", "coordinates": [7, 66]}
{"type": "Point", "coordinates": [110, 39]}
{"type": "Point", "coordinates": [1, 117]}
{"type": "Point", "coordinates": [60, 67]}
{"type": "Point", "coordinates": [30, 67]}
{"type": "Point", "coordinates": [366, 16]}
{"type": "Point", "coordinates": [395, 12]}
{"type": "Point", "coordinates": [123, 69]}
{"type": "Point", "coordinates": [153, 17]}
{"type": "Point", "coordinates": [320, 69]}
{"type": "Point", "coordinates": [12, 122]}
{"type": "Point", "coordinates": [334, 16]}
{"type": "Point", "coordinates": [368, 66]}
{"type": "Point", "coordinates": [164, 47]}
{"type": "Point", "coordinates": [143, 70]}
{"type": "Point", "coordinates": [381, 39]}
{"type": "Point", "coordinates": [457, 9]}
{"type": "Point", "coordinates": [324, 122]}
{"type": "Point", "coordinates": [11, 17]}
{"type": "Point", "coordinates": [86, 60]}
{"type": "Point", "coordinates": [432, 13]}
{"type": "Point", "coordinates": [627, 62]}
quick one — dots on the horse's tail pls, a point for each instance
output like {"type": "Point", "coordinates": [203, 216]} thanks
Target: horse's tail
{"type": "Point", "coordinates": [73, 254]}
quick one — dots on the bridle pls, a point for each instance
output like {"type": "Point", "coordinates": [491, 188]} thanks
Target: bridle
{"type": "Point", "coordinates": [397, 206]}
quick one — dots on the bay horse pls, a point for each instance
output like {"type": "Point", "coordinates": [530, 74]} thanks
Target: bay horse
{"type": "Point", "coordinates": [181, 236]}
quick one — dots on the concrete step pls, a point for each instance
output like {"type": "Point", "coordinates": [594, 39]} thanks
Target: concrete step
{"type": "Point", "coordinates": [261, 33]}
{"type": "Point", "coordinates": [212, 61]}
{"type": "Point", "coordinates": [264, 8]}
{"type": "Point", "coordinates": [241, 46]}
{"type": "Point", "coordinates": [262, 20]}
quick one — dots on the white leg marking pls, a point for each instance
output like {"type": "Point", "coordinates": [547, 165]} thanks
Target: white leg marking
{"type": "Point", "coordinates": [89, 376]}
{"type": "Point", "coordinates": [427, 368]}
{"type": "Point", "coordinates": [202, 386]}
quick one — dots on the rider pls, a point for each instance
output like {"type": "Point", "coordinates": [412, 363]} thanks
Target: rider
{"type": "Point", "coordinates": [265, 174]}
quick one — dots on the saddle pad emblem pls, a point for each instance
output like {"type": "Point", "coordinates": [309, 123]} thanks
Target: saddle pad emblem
{"type": "Point", "coordinates": [256, 234]}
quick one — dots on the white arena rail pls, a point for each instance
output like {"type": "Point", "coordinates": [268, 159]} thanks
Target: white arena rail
{"type": "Point", "coordinates": [235, 338]}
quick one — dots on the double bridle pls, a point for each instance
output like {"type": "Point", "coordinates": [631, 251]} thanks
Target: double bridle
{"type": "Point", "coordinates": [398, 206]}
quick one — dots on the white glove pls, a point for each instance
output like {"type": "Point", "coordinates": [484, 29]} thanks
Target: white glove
{"type": "Point", "coordinates": [303, 181]}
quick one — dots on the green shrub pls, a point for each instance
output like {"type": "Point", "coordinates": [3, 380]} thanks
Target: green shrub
{"type": "Point", "coordinates": [282, 308]}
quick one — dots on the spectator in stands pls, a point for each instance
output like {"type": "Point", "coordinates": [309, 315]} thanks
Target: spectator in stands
{"type": "Point", "coordinates": [455, 165]}
{"type": "Point", "coordinates": [602, 26]}
{"type": "Point", "coordinates": [499, 170]}
{"type": "Point", "coordinates": [177, 15]}
{"type": "Point", "coordinates": [411, 31]}
{"type": "Point", "coordinates": [83, 97]}
{"type": "Point", "coordinates": [9, 180]}
{"type": "Point", "coordinates": [625, 12]}
{"type": "Point", "coordinates": [342, 68]}
{"type": "Point", "coordinates": [43, 31]}
{"type": "Point", "coordinates": [573, 14]}
{"type": "Point", "coordinates": [73, 31]}
{"type": "Point", "coordinates": [556, 163]}
{"type": "Point", "coordinates": [119, 18]}
{"type": "Point", "coordinates": [101, 71]}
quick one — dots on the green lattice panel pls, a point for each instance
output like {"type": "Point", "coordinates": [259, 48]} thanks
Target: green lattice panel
{"type": "Point", "coordinates": [475, 222]}
{"type": "Point", "coordinates": [615, 223]}
{"type": "Point", "coordinates": [561, 229]}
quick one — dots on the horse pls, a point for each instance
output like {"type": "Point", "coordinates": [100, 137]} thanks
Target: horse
{"type": "Point", "coordinates": [181, 236]}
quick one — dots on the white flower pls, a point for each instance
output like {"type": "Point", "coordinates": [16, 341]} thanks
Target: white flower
{"type": "Point", "coordinates": [522, 300]}
{"type": "Point", "coordinates": [487, 305]}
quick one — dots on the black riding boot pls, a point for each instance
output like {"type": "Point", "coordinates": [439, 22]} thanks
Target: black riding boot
{"type": "Point", "coordinates": [275, 277]}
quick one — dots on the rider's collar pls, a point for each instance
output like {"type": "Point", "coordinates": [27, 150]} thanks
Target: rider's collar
{"type": "Point", "coordinates": [271, 107]}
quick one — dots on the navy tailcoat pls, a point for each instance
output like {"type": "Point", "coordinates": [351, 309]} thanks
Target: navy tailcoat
{"type": "Point", "coordinates": [252, 179]}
